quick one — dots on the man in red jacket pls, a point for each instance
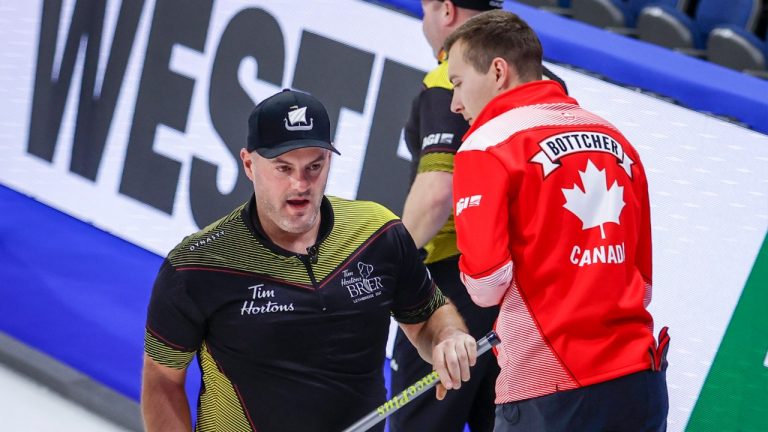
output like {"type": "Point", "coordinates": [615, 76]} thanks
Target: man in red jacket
{"type": "Point", "coordinates": [553, 223]}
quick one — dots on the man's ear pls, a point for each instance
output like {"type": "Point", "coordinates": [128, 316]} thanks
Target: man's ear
{"type": "Point", "coordinates": [504, 73]}
{"type": "Point", "coordinates": [247, 160]}
{"type": "Point", "coordinates": [449, 13]}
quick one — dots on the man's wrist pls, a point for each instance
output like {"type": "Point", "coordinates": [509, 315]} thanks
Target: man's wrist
{"type": "Point", "coordinates": [450, 332]}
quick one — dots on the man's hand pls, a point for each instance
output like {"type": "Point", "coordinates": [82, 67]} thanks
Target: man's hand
{"type": "Point", "coordinates": [452, 357]}
{"type": "Point", "coordinates": [444, 341]}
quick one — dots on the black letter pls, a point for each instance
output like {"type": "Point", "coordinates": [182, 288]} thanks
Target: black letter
{"type": "Point", "coordinates": [94, 115]}
{"type": "Point", "coordinates": [606, 144]}
{"type": "Point", "coordinates": [334, 73]}
{"type": "Point", "coordinates": [251, 33]}
{"type": "Point", "coordinates": [553, 147]}
{"type": "Point", "coordinates": [560, 144]}
{"type": "Point", "coordinates": [164, 98]}
{"type": "Point", "coordinates": [385, 177]}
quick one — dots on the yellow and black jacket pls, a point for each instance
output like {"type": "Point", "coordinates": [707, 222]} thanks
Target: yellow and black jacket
{"type": "Point", "coordinates": [433, 134]}
{"type": "Point", "coordinates": [288, 341]}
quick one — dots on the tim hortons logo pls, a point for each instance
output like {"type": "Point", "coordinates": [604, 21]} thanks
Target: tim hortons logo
{"type": "Point", "coordinates": [262, 301]}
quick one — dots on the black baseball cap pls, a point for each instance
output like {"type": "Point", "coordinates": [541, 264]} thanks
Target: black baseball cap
{"type": "Point", "coordinates": [287, 121]}
{"type": "Point", "coordinates": [480, 5]}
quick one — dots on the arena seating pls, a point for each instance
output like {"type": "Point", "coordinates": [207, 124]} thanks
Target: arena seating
{"type": "Point", "coordinates": [671, 27]}
{"type": "Point", "coordinates": [736, 48]}
{"type": "Point", "coordinates": [616, 13]}
{"type": "Point", "coordinates": [731, 34]}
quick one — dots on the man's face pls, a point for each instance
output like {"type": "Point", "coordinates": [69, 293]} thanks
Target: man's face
{"type": "Point", "coordinates": [472, 90]}
{"type": "Point", "coordinates": [289, 188]}
{"type": "Point", "coordinates": [432, 24]}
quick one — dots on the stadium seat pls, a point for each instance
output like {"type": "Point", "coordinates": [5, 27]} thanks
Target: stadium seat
{"type": "Point", "coordinates": [670, 27]}
{"type": "Point", "coordinates": [600, 13]}
{"type": "Point", "coordinates": [738, 49]}
{"type": "Point", "coordinates": [560, 7]}
{"type": "Point", "coordinates": [612, 13]}
{"type": "Point", "coordinates": [542, 3]}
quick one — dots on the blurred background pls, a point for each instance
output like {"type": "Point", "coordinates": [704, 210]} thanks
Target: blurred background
{"type": "Point", "coordinates": [121, 120]}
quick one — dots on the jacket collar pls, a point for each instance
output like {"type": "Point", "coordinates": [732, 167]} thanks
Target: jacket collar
{"type": "Point", "coordinates": [530, 93]}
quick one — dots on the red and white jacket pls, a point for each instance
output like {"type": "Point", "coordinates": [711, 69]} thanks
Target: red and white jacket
{"type": "Point", "coordinates": [553, 222]}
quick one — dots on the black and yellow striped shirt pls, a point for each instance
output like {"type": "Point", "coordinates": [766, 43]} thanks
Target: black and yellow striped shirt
{"type": "Point", "coordinates": [286, 342]}
{"type": "Point", "coordinates": [433, 134]}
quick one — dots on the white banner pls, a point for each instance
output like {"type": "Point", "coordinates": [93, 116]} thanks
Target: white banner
{"type": "Point", "coordinates": [190, 77]}
{"type": "Point", "coordinates": [136, 131]}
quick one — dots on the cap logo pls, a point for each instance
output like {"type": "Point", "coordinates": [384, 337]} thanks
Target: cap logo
{"type": "Point", "coordinates": [296, 117]}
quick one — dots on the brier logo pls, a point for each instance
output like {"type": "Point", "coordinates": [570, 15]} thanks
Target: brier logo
{"type": "Point", "coordinates": [364, 287]}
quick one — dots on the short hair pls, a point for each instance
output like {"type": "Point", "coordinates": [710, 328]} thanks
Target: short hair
{"type": "Point", "coordinates": [501, 34]}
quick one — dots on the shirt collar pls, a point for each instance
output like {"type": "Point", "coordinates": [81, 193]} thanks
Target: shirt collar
{"type": "Point", "coordinates": [531, 93]}
{"type": "Point", "coordinates": [252, 222]}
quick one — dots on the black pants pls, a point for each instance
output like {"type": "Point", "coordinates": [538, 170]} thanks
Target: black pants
{"type": "Point", "coordinates": [633, 403]}
{"type": "Point", "coordinates": [473, 403]}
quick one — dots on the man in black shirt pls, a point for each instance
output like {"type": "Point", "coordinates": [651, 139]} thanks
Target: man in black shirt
{"type": "Point", "coordinates": [286, 301]}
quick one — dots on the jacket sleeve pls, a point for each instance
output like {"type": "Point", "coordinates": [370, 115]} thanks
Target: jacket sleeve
{"type": "Point", "coordinates": [481, 209]}
{"type": "Point", "coordinates": [644, 258]}
{"type": "Point", "coordinates": [417, 297]}
{"type": "Point", "coordinates": [440, 130]}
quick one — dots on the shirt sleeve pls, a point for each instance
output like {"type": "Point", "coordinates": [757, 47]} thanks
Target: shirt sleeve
{"type": "Point", "coordinates": [175, 327]}
{"type": "Point", "coordinates": [440, 130]}
{"type": "Point", "coordinates": [481, 214]}
{"type": "Point", "coordinates": [416, 296]}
